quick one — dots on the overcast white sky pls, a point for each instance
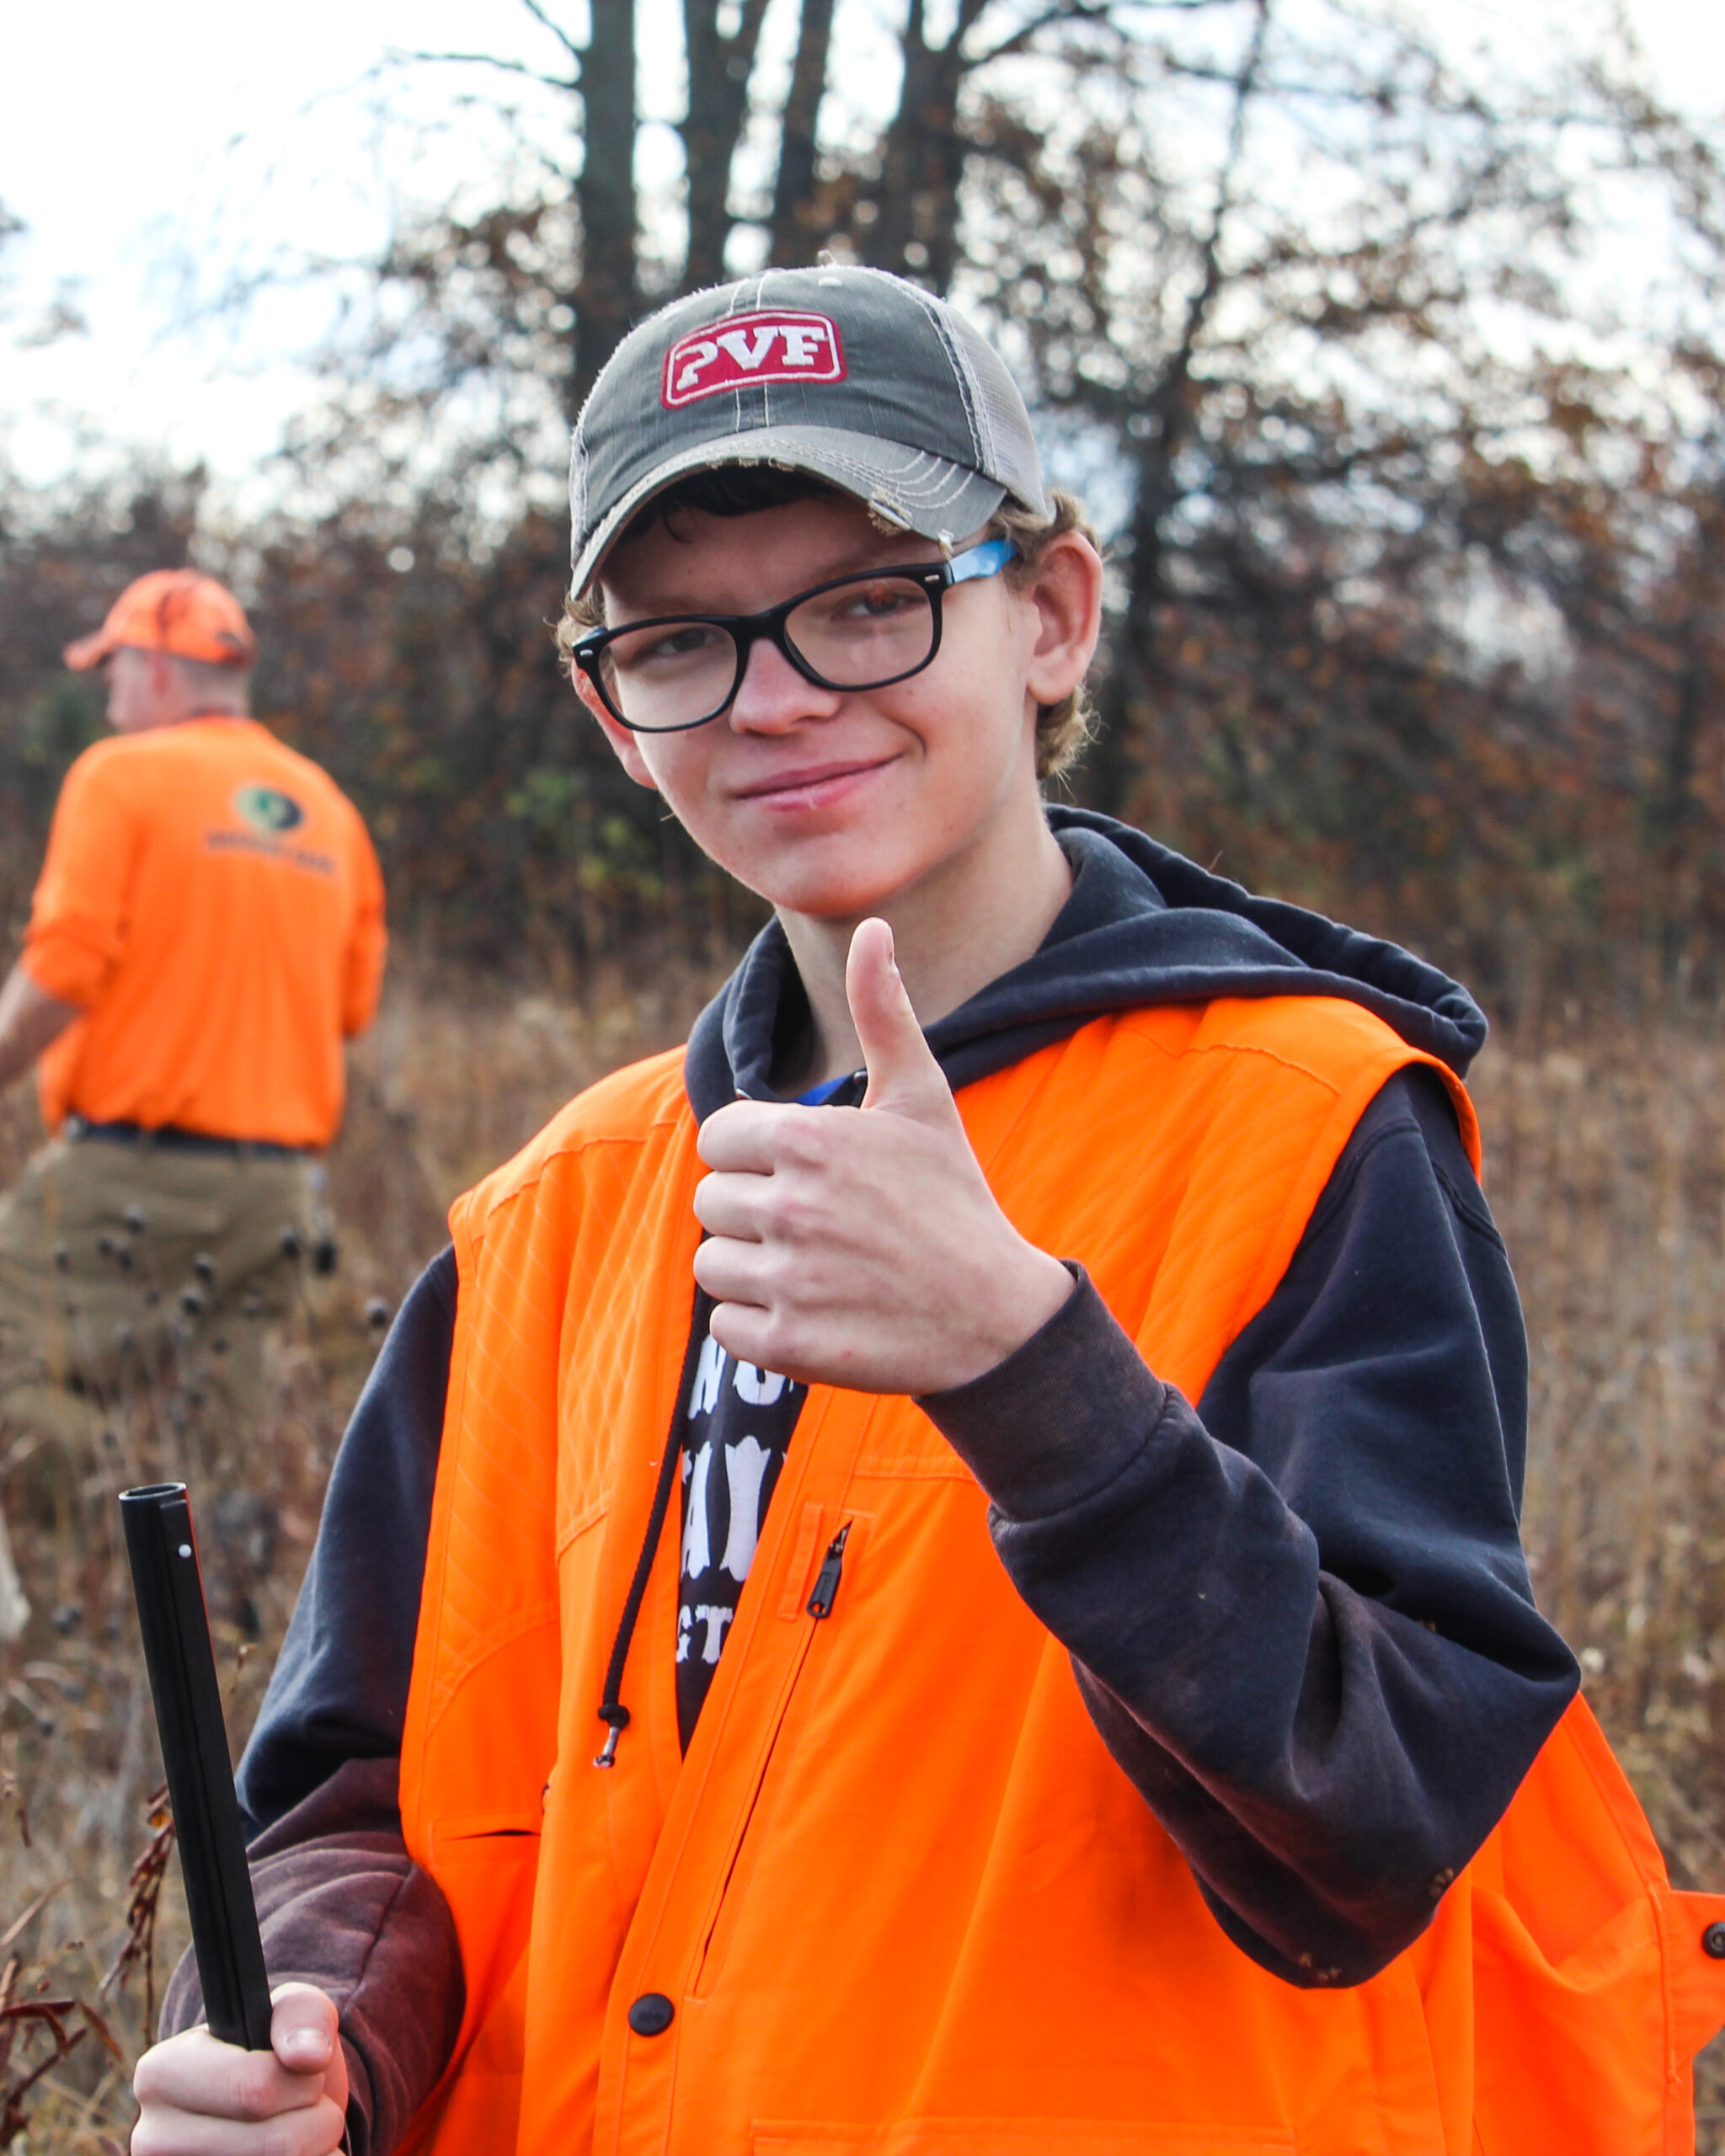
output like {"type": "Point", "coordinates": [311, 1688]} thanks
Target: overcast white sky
{"type": "Point", "coordinates": [118, 131]}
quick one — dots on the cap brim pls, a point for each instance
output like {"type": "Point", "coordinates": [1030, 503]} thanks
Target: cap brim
{"type": "Point", "coordinates": [927, 494]}
{"type": "Point", "coordinates": [89, 651]}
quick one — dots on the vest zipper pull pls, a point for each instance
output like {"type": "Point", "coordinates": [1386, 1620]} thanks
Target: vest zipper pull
{"type": "Point", "coordinates": [826, 1580]}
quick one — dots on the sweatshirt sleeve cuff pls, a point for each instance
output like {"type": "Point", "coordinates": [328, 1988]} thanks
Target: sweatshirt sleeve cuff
{"type": "Point", "coordinates": [1061, 1417]}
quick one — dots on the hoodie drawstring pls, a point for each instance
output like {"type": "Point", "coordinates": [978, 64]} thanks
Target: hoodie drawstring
{"type": "Point", "coordinates": [611, 1710]}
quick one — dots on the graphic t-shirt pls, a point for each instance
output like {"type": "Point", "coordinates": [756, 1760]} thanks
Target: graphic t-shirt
{"type": "Point", "coordinates": [737, 1425]}
{"type": "Point", "coordinates": [737, 1430]}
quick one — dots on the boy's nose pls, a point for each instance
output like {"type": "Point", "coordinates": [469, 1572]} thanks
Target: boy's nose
{"type": "Point", "coordinates": [773, 696]}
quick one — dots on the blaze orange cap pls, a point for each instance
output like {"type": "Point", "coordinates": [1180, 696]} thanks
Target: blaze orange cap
{"type": "Point", "coordinates": [175, 611]}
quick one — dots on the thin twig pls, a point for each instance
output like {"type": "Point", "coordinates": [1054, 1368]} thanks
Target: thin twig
{"type": "Point", "coordinates": [35, 1907]}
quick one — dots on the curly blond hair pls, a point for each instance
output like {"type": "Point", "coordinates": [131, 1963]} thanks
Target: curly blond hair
{"type": "Point", "coordinates": [1063, 729]}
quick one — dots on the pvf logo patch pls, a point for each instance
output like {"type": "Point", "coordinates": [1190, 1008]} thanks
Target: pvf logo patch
{"type": "Point", "coordinates": [746, 348]}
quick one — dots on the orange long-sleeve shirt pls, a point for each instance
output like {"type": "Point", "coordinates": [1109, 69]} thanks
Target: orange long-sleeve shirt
{"type": "Point", "coordinates": [212, 902]}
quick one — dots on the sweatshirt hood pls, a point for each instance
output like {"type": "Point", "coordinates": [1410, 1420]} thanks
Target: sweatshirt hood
{"type": "Point", "coordinates": [1142, 926]}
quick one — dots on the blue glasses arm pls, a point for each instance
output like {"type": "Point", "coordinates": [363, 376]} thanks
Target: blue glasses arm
{"type": "Point", "coordinates": [988, 559]}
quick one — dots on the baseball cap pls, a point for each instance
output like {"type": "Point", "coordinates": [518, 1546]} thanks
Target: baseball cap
{"type": "Point", "coordinates": [175, 611]}
{"type": "Point", "coordinates": [858, 377]}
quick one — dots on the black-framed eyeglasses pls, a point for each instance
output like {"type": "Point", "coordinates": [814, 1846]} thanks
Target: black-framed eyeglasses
{"type": "Point", "coordinates": [861, 632]}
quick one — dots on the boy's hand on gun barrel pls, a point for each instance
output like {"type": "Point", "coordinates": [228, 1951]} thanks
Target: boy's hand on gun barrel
{"type": "Point", "coordinates": [862, 1247]}
{"type": "Point", "coordinates": [197, 2097]}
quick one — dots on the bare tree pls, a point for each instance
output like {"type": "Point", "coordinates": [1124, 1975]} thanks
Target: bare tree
{"type": "Point", "coordinates": [720, 63]}
{"type": "Point", "coordinates": [607, 292]}
{"type": "Point", "coordinates": [1295, 286]}
{"type": "Point", "coordinates": [566, 236]}
{"type": "Point", "coordinates": [799, 225]}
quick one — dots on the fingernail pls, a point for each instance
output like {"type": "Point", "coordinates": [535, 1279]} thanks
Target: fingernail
{"type": "Point", "coordinates": [310, 2045]}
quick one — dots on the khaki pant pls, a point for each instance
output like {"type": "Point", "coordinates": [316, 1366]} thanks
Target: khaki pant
{"type": "Point", "coordinates": [138, 1285]}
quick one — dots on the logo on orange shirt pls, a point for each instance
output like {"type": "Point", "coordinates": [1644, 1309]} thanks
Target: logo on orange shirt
{"type": "Point", "coordinates": [266, 809]}
{"type": "Point", "coordinates": [272, 814]}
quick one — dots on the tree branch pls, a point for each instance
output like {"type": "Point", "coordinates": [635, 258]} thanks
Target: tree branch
{"type": "Point", "coordinates": [475, 60]}
{"type": "Point", "coordinates": [556, 30]}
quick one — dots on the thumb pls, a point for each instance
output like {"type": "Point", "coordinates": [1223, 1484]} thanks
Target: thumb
{"type": "Point", "coordinates": [904, 1077]}
{"type": "Point", "coordinates": [303, 2028]}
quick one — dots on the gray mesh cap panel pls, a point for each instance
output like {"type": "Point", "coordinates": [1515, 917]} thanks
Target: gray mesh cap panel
{"type": "Point", "coordinates": [857, 376]}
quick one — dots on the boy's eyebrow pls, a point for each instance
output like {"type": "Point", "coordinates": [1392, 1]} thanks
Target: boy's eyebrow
{"type": "Point", "coordinates": [875, 550]}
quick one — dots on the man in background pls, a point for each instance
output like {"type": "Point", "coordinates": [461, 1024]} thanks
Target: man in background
{"type": "Point", "coordinates": [206, 931]}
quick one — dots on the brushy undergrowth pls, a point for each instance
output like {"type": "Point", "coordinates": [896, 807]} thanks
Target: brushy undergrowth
{"type": "Point", "coordinates": [1605, 1154]}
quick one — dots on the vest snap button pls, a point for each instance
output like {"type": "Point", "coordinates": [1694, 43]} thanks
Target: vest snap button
{"type": "Point", "coordinates": [653, 2013]}
{"type": "Point", "coordinates": [1713, 1941]}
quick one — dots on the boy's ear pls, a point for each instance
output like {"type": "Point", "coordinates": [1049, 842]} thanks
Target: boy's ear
{"type": "Point", "coordinates": [1066, 593]}
{"type": "Point", "coordinates": [627, 745]}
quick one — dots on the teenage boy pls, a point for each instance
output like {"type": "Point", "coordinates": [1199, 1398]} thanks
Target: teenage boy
{"type": "Point", "coordinates": [940, 1573]}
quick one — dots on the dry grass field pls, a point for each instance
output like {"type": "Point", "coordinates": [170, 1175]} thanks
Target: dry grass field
{"type": "Point", "coordinates": [1606, 1168]}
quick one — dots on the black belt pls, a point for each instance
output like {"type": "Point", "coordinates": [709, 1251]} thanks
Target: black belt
{"type": "Point", "coordinates": [169, 1138]}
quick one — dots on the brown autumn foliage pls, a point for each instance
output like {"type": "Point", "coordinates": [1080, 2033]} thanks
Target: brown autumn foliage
{"type": "Point", "coordinates": [1418, 569]}
{"type": "Point", "coordinates": [1414, 502]}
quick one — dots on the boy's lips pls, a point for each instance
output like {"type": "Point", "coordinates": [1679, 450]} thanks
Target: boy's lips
{"type": "Point", "coordinates": [813, 783]}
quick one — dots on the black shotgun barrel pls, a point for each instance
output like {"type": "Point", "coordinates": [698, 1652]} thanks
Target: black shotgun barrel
{"type": "Point", "coordinates": [212, 1853]}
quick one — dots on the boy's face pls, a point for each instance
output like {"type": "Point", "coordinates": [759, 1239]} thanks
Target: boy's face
{"type": "Point", "coordinates": [830, 803]}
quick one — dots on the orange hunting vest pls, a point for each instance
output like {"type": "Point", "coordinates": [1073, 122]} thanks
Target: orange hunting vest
{"type": "Point", "coordinates": [900, 1898]}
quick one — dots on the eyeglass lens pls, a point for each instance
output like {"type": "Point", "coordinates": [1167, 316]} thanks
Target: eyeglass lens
{"type": "Point", "coordinates": [858, 636]}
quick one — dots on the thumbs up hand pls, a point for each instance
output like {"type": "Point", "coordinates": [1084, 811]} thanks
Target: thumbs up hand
{"type": "Point", "coordinates": [904, 1078]}
{"type": "Point", "coordinates": [862, 1247]}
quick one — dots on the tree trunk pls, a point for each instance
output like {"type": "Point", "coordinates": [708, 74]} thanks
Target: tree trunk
{"type": "Point", "coordinates": [1673, 817]}
{"type": "Point", "coordinates": [719, 68]}
{"type": "Point", "coordinates": [606, 293]}
{"type": "Point", "coordinates": [1105, 780]}
{"type": "Point", "coordinates": [1123, 711]}
{"type": "Point", "coordinates": [916, 224]}
{"type": "Point", "coordinates": [797, 229]}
